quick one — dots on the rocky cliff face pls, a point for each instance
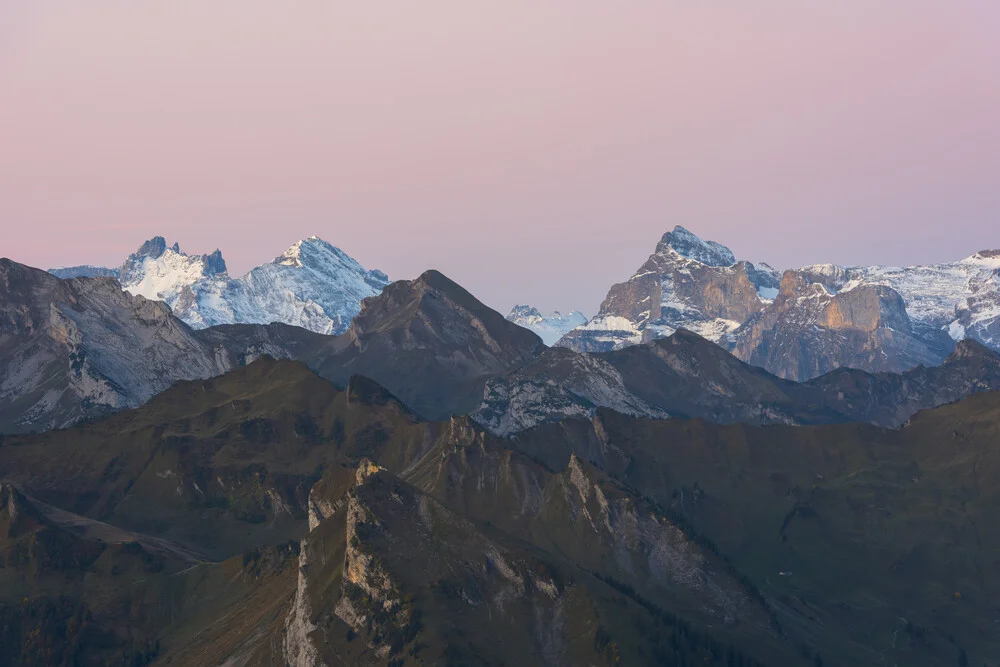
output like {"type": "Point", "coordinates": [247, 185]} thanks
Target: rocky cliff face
{"type": "Point", "coordinates": [960, 298]}
{"type": "Point", "coordinates": [687, 283]}
{"type": "Point", "coordinates": [414, 564]}
{"type": "Point", "coordinates": [83, 347]}
{"type": "Point", "coordinates": [809, 489]}
{"type": "Point", "coordinates": [812, 328]}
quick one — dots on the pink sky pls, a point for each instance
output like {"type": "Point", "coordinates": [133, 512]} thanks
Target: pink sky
{"type": "Point", "coordinates": [533, 151]}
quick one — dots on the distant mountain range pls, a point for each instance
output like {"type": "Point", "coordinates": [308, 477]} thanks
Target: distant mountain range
{"type": "Point", "coordinates": [550, 328]}
{"type": "Point", "coordinates": [797, 325]}
{"type": "Point", "coordinates": [312, 285]}
{"type": "Point", "coordinates": [83, 348]}
{"type": "Point", "coordinates": [804, 322]}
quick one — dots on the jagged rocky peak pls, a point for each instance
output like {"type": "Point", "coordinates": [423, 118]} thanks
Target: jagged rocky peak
{"type": "Point", "coordinates": [155, 268]}
{"type": "Point", "coordinates": [686, 283]}
{"type": "Point", "coordinates": [313, 285]}
{"type": "Point", "coordinates": [690, 246]}
{"type": "Point", "coordinates": [154, 248]}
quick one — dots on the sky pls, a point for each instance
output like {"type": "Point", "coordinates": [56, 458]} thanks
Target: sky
{"type": "Point", "coordinates": [535, 151]}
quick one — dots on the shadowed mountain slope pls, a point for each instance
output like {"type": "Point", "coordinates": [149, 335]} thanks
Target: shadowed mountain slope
{"type": "Point", "coordinates": [610, 536]}
{"type": "Point", "coordinates": [229, 465]}
{"type": "Point", "coordinates": [428, 340]}
{"type": "Point", "coordinates": [872, 545]}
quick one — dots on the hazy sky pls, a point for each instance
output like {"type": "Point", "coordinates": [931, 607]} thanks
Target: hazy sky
{"type": "Point", "coordinates": [533, 151]}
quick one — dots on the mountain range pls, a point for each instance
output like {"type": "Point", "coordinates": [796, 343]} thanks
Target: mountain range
{"type": "Point", "coordinates": [686, 376]}
{"type": "Point", "coordinates": [780, 469]}
{"type": "Point", "coordinates": [312, 285]}
{"type": "Point", "coordinates": [90, 348]}
{"type": "Point", "coordinates": [797, 324]}
{"type": "Point", "coordinates": [804, 322]}
{"type": "Point", "coordinates": [83, 347]}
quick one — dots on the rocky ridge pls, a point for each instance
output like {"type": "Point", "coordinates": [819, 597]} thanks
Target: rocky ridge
{"type": "Point", "coordinates": [687, 376]}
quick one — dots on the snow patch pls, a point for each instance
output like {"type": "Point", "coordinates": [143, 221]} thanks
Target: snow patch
{"type": "Point", "coordinates": [549, 328]}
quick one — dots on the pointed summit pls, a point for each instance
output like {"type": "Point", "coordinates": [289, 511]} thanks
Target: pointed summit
{"type": "Point", "coordinates": [310, 247]}
{"type": "Point", "coordinates": [430, 327]}
{"type": "Point", "coordinates": [687, 283]}
{"type": "Point", "coordinates": [690, 246]}
{"type": "Point", "coordinates": [313, 252]}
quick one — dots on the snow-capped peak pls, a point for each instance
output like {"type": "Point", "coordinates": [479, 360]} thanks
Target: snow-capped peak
{"type": "Point", "coordinates": [314, 250]}
{"type": "Point", "coordinates": [988, 259]}
{"type": "Point", "coordinates": [549, 328]}
{"type": "Point", "coordinates": [312, 284]}
{"type": "Point", "coordinates": [156, 271]}
{"type": "Point", "coordinates": [689, 246]}
{"type": "Point", "coordinates": [299, 251]}
{"type": "Point", "coordinates": [524, 313]}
